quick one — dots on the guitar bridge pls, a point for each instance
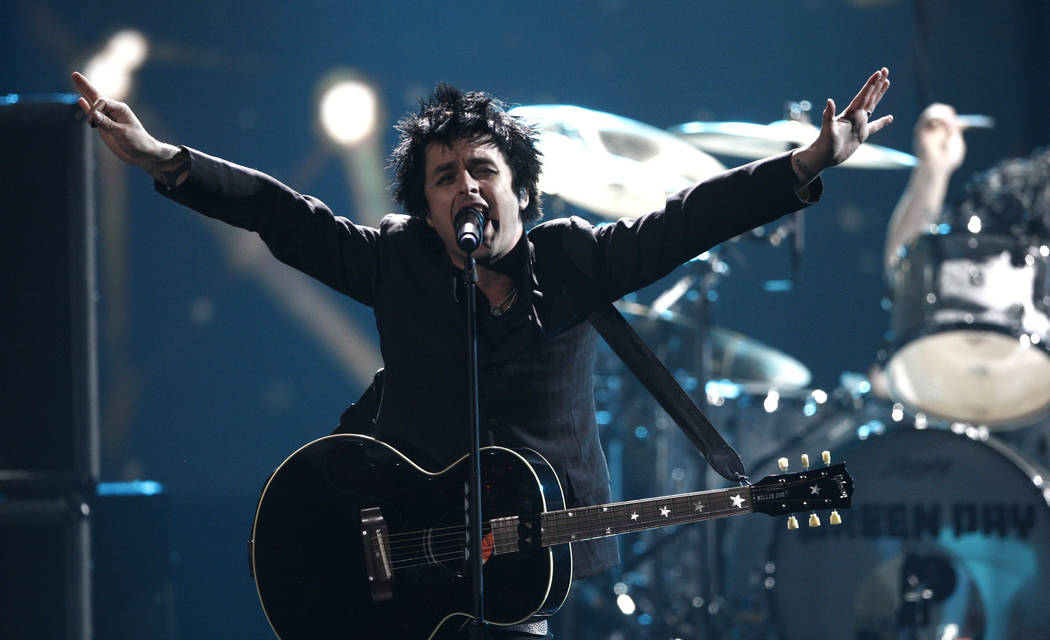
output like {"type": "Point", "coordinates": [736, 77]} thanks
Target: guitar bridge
{"type": "Point", "coordinates": [377, 554]}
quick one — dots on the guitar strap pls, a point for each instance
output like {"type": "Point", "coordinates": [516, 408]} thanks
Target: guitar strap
{"type": "Point", "coordinates": [632, 350]}
{"type": "Point", "coordinates": [643, 363]}
{"type": "Point", "coordinates": [655, 377]}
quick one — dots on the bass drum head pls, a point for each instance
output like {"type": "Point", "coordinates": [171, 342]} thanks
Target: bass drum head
{"type": "Point", "coordinates": [972, 376]}
{"type": "Point", "coordinates": [971, 327]}
{"type": "Point", "coordinates": [947, 537]}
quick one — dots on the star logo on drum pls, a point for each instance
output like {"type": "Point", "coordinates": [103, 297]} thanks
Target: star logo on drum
{"type": "Point", "coordinates": [814, 490]}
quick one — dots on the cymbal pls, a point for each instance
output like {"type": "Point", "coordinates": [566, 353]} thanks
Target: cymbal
{"type": "Point", "coordinates": [610, 165]}
{"type": "Point", "coordinates": [734, 355]}
{"type": "Point", "coordinates": [750, 140]}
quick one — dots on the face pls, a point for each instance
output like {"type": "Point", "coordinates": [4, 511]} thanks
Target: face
{"type": "Point", "coordinates": [473, 174]}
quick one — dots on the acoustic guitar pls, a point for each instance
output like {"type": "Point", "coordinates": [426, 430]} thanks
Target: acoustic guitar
{"type": "Point", "coordinates": [352, 539]}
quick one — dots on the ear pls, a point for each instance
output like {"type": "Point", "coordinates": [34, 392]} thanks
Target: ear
{"type": "Point", "coordinates": [429, 221]}
{"type": "Point", "coordinates": [523, 198]}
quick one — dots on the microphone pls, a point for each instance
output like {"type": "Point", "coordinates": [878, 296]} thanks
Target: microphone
{"type": "Point", "coordinates": [470, 228]}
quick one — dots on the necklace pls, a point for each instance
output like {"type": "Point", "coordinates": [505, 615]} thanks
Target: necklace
{"type": "Point", "coordinates": [501, 308]}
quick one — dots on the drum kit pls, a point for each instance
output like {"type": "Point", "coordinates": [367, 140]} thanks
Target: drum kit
{"type": "Point", "coordinates": [947, 439]}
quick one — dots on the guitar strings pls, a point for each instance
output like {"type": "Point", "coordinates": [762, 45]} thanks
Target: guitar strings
{"type": "Point", "coordinates": [412, 538]}
{"type": "Point", "coordinates": [456, 552]}
{"type": "Point", "coordinates": [453, 538]}
{"type": "Point", "coordinates": [453, 550]}
{"type": "Point", "coordinates": [449, 544]}
{"type": "Point", "coordinates": [584, 511]}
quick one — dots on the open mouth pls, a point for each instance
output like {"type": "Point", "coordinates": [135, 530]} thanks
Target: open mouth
{"type": "Point", "coordinates": [484, 211]}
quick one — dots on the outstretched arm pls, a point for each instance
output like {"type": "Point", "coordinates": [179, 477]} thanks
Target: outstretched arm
{"type": "Point", "coordinates": [125, 136]}
{"type": "Point", "coordinates": [940, 148]}
{"type": "Point", "coordinates": [841, 135]}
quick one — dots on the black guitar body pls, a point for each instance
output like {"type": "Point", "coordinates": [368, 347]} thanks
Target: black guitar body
{"type": "Point", "coordinates": [310, 547]}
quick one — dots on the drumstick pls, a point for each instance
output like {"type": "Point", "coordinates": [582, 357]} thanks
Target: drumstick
{"type": "Point", "coordinates": [972, 121]}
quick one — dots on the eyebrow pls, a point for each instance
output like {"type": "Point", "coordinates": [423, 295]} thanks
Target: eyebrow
{"type": "Point", "coordinates": [473, 161]}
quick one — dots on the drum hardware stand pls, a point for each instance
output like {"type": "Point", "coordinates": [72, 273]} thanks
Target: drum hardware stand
{"type": "Point", "coordinates": [655, 377]}
{"type": "Point", "coordinates": [696, 288]}
{"type": "Point", "coordinates": [704, 357]}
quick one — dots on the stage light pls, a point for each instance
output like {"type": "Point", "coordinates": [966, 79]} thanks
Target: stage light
{"type": "Point", "coordinates": [128, 48]}
{"type": "Point", "coordinates": [772, 401]}
{"type": "Point", "coordinates": [111, 69]}
{"type": "Point", "coordinates": [349, 115]}
{"type": "Point", "coordinates": [348, 112]}
{"type": "Point", "coordinates": [625, 603]}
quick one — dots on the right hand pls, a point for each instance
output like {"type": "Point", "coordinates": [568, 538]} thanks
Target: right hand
{"type": "Point", "coordinates": [120, 129]}
{"type": "Point", "coordinates": [939, 141]}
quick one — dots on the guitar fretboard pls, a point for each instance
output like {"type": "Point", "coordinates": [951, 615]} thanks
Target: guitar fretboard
{"type": "Point", "coordinates": [584, 523]}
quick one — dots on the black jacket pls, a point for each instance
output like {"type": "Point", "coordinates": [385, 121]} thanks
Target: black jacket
{"type": "Point", "coordinates": [536, 361]}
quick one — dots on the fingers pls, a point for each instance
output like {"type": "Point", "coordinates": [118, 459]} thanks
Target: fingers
{"type": "Point", "coordinates": [877, 125]}
{"type": "Point", "coordinates": [860, 101]}
{"type": "Point", "coordinates": [106, 114]}
{"type": "Point", "coordinates": [935, 115]}
{"type": "Point", "coordinates": [91, 103]}
{"type": "Point", "coordinates": [85, 87]}
{"type": "Point", "coordinates": [97, 116]}
{"type": "Point", "coordinates": [871, 93]}
{"type": "Point", "coordinates": [879, 89]}
{"type": "Point", "coordinates": [937, 121]}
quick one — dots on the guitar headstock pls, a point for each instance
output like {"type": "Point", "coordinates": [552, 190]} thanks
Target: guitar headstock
{"type": "Point", "coordinates": [827, 487]}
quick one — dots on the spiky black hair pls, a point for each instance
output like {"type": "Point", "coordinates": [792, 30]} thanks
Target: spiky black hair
{"type": "Point", "coordinates": [450, 115]}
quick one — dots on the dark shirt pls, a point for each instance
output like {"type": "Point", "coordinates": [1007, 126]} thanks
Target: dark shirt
{"type": "Point", "coordinates": [535, 361]}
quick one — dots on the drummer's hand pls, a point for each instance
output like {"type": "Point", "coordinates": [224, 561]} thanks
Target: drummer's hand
{"type": "Point", "coordinates": [122, 132]}
{"type": "Point", "coordinates": [841, 135]}
{"type": "Point", "coordinates": [939, 140]}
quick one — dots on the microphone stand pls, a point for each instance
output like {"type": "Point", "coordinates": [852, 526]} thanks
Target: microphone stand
{"type": "Point", "coordinates": [477, 623]}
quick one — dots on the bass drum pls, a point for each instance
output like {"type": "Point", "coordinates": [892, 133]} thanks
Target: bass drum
{"type": "Point", "coordinates": [946, 538]}
{"type": "Point", "coordinates": [971, 328]}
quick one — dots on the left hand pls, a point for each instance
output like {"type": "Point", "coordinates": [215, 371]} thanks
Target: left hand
{"type": "Point", "coordinates": [841, 135]}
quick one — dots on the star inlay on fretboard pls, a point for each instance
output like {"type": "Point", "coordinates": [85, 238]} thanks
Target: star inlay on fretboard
{"type": "Point", "coordinates": [586, 523]}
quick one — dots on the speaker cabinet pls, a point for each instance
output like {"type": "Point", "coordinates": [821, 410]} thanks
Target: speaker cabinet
{"type": "Point", "coordinates": [131, 550]}
{"type": "Point", "coordinates": [45, 591]}
{"type": "Point", "coordinates": [49, 420]}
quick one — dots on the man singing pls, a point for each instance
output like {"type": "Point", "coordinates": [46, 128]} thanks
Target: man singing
{"type": "Point", "coordinates": [536, 350]}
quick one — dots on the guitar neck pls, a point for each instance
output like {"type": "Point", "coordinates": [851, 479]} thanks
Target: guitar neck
{"type": "Point", "coordinates": [599, 521]}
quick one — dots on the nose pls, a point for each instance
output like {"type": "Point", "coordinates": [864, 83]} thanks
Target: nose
{"type": "Point", "coordinates": [467, 183]}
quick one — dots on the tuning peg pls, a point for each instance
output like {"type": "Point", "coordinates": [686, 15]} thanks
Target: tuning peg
{"type": "Point", "coordinates": [814, 520]}
{"type": "Point", "coordinates": [782, 463]}
{"type": "Point", "coordinates": [835, 518]}
{"type": "Point", "coordinates": [805, 460]}
{"type": "Point", "coordinates": [792, 523]}
{"type": "Point", "coordinates": [825, 456]}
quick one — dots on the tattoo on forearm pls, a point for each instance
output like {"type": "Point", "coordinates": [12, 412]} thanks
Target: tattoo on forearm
{"type": "Point", "coordinates": [803, 169]}
{"type": "Point", "coordinates": [169, 172]}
